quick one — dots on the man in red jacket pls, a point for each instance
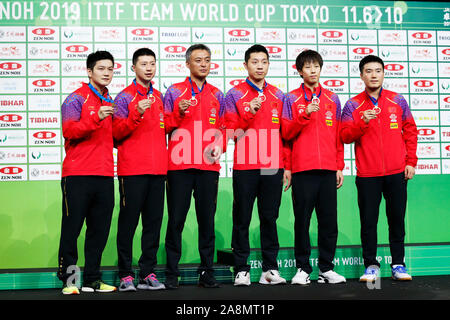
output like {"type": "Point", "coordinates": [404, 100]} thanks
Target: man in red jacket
{"type": "Point", "coordinates": [261, 165]}
{"type": "Point", "coordinates": [194, 118]}
{"type": "Point", "coordinates": [382, 127]}
{"type": "Point", "coordinates": [139, 133]}
{"type": "Point", "coordinates": [311, 117]}
{"type": "Point", "coordinates": [87, 174]}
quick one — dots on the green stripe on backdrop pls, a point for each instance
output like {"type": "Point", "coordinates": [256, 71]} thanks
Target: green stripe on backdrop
{"type": "Point", "coordinates": [30, 217]}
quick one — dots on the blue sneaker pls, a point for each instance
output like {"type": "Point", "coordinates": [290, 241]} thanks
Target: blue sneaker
{"type": "Point", "coordinates": [150, 283]}
{"type": "Point", "coordinates": [371, 274]}
{"type": "Point", "coordinates": [126, 284]}
{"type": "Point", "coordinates": [400, 273]}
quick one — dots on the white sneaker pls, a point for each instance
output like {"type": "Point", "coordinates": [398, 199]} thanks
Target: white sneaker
{"type": "Point", "coordinates": [399, 273]}
{"type": "Point", "coordinates": [271, 277]}
{"type": "Point", "coordinates": [371, 274]}
{"type": "Point", "coordinates": [301, 277]}
{"type": "Point", "coordinates": [330, 277]}
{"type": "Point", "coordinates": [242, 279]}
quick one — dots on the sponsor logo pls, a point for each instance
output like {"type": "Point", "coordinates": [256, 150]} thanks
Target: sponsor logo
{"type": "Point", "coordinates": [44, 119]}
{"type": "Point", "coordinates": [334, 83]}
{"type": "Point", "coordinates": [175, 49]}
{"type": "Point", "coordinates": [426, 132]}
{"type": "Point", "coordinates": [77, 48]}
{"type": "Point", "coordinates": [363, 50]}
{"type": "Point", "coordinates": [239, 33]}
{"type": "Point", "coordinates": [332, 34]}
{"type": "Point", "coordinates": [11, 170]}
{"type": "Point", "coordinates": [273, 49]}
{"type": "Point", "coordinates": [142, 32]}
{"type": "Point", "coordinates": [43, 31]}
{"type": "Point", "coordinates": [447, 99]}
{"type": "Point", "coordinates": [10, 66]}
{"type": "Point", "coordinates": [44, 135]}
{"type": "Point", "coordinates": [423, 83]}
{"type": "Point", "coordinates": [11, 103]}
{"type": "Point", "coordinates": [393, 67]}
{"type": "Point", "coordinates": [422, 35]}
{"type": "Point", "coordinates": [10, 117]}
{"type": "Point", "coordinates": [446, 51]}
{"type": "Point", "coordinates": [44, 83]}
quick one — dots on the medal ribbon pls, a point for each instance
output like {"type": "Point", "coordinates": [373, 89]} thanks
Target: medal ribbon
{"type": "Point", "coordinates": [192, 88]}
{"type": "Point", "coordinates": [149, 91]}
{"type": "Point", "coordinates": [108, 99]}
{"type": "Point", "coordinates": [313, 95]}
{"type": "Point", "coordinates": [251, 84]}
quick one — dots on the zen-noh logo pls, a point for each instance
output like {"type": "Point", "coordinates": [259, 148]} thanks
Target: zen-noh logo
{"type": "Point", "coordinates": [426, 132]}
{"type": "Point", "coordinates": [334, 83]}
{"type": "Point", "coordinates": [363, 50]}
{"type": "Point", "coordinates": [44, 135]}
{"type": "Point", "coordinates": [43, 31]}
{"type": "Point", "coordinates": [44, 83]}
{"type": "Point", "coordinates": [175, 49]}
{"type": "Point", "coordinates": [11, 170]}
{"type": "Point", "coordinates": [393, 67]}
{"type": "Point", "coordinates": [10, 117]}
{"type": "Point", "coordinates": [273, 49]}
{"type": "Point", "coordinates": [239, 33]}
{"type": "Point", "coordinates": [423, 83]}
{"type": "Point", "coordinates": [142, 32]}
{"type": "Point", "coordinates": [10, 65]}
{"type": "Point", "coordinates": [77, 48]}
{"type": "Point", "coordinates": [422, 35]}
{"type": "Point", "coordinates": [332, 34]}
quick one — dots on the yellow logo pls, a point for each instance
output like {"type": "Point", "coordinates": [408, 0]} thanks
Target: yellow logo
{"type": "Point", "coordinates": [394, 125]}
{"type": "Point", "coordinates": [161, 125]}
{"type": "Point", "coordinates": [212, 120]}
{"type": "Point", "coordinates": [275, 120]}
{"type": "Point", "coordinates": [329, 123]}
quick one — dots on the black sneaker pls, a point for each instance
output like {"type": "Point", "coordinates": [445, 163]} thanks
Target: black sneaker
{"type": "Point", "coordinates": [207, 280]}
{"type": "Point", "coordinates": [171, 282]}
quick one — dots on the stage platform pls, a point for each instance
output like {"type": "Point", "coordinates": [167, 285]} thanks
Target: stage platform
{"type": "Point", "coordinates": [420, 288]}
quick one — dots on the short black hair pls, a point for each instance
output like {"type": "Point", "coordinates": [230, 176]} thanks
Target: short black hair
{"type": "Point", "coordinates": [368, 59]}
{"type": "Point", "coordinates": [308, 56]}
{"type": "Point", "coordinates": [142, 52]}
{"type": "Point", "coordinates": [255, 48]}
{"type": "Point", "coordinates": [97, 56]}
{"type": "Point", "coordinates": [198, 46]}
